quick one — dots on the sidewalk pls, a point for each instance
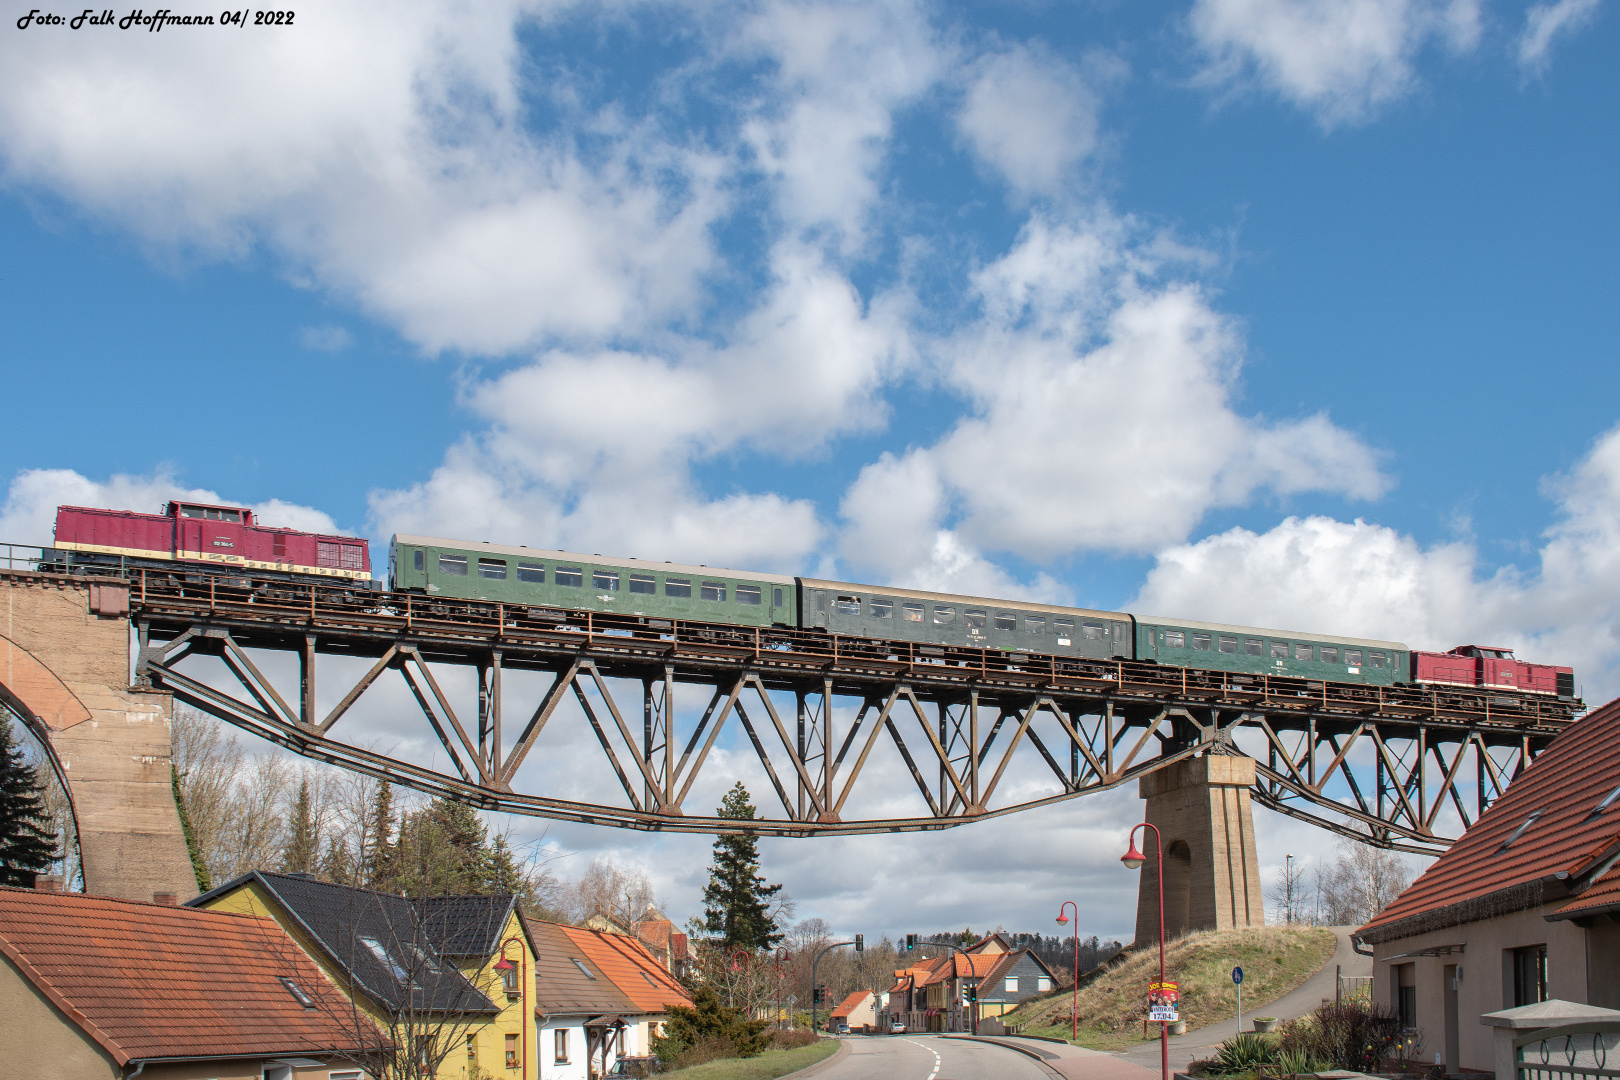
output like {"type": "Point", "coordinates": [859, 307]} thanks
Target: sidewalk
{"type": "Point", "coordinates": [1305, 999]}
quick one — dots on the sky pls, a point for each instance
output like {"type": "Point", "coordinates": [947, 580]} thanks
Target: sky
{"type": "Point", "coordinates": [1293, 313]}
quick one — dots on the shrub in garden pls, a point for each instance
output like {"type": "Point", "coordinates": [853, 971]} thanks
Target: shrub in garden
{"type": "Point", "coordinates": [1351, 1035]}
{"type": "Point", "coordinates": [1240, 1054]}
{"type": "Point", "coordinates": [708, 1028]}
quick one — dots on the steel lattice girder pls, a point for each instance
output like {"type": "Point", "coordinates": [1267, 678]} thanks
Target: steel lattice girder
{"type": "Point", "coordinates": [1118, 720]}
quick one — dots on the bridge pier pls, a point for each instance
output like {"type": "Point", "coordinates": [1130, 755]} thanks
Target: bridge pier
{"type": "Point", "coordinates": [1202, 810]}
{"type": "Point", "coordinates": [64, 667]}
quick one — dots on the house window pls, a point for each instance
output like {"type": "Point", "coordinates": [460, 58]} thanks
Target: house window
{"type": "Point", "coordinates": [1042, 983]}
{"type": "Point", "coordinates": [560, 1045]}
{"type": "Point", "coordinates": [1010, 984]}
{"type": "Point", "coordinates": [1406, 994]}
{"type": "Point", "coordinates": [346, 1074]}
{"type": "Point", "coordinates": [511, 1051]}
{"type": "Point", "coordinates": [583, 969]}
{"type": "Point", "coordinates": [472, 1047]}
{"type": "Point", "coordinates": [509, 979]}
{"type": "Point", "coordinates": [1529, 975]}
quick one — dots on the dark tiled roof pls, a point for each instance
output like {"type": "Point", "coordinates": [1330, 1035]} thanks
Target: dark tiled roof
{"type": "Point", "coordinates": [387, 943]}
{"type": "Point", "coordinates": [1540, 842]}
{"type": "Point", "coordinates": [465, 925]}
{"type": "Point", "coordinates": [152, 981]}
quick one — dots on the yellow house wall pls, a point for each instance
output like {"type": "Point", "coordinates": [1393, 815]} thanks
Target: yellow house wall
{"type": "Point", "coordinates": [39, 1040]}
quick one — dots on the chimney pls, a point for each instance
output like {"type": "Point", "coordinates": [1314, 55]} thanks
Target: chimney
{"type": "Point", "coordinates": [167, 899]}
{"type": "Point", "coordinates": [47, 883]}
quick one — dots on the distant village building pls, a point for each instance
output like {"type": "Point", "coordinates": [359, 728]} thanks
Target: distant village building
{"type": "Point", "coordinates": [1521, 909]}
{"type": "Point", "coordinates": [857, 1012]}
{"type": "Point", "coordinates": [932, 995]}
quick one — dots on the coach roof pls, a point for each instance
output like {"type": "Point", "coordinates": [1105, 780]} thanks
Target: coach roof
{"type": "Point", "coordinates": [955, 598]}
{"type": "Point", "coordinates": [1292, 635]}
{"type": "Point", "coordinates": [591, 560]}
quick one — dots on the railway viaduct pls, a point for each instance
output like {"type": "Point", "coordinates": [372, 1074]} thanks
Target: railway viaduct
{"type": "Point", "coordinates": [64, 669]}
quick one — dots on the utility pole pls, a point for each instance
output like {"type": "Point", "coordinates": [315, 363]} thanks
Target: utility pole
{"type": "Point", "coordinates": [1288, 883]}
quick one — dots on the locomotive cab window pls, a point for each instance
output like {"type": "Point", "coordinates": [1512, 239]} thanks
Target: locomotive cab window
{"type": "Point", "coordinates": [606, 580]}
{"type": "Point", "coordinates": [210, 514]}
{"type": "Point", "coordinates": [1279, 650]}
{"type": "Point", "coordinates": [1006, 622]}
{"type": "Point", "coordinates": [1302, 652]}
{"type": "Point", "coordinates": [911, 612]}
{"type": "Point", "coordinates": [712, 590]}
{"type": "Point", "coordinates": [453, 564]}
{"type": "Point", "coordinates": [571, 576]}
{"type": "Point", "coordinates": [677, 586]}
{"type": "Point", "coordinates": [1228, 644]}
{"type": "Point", "coordinates": [492, 568]}
{"type": "Point", "coordinates": [882, 609]}
{"type": "Point", "coordinates": [1352, 657]}
{"type": "Point", "coordinates": [1093, 631]}
{"type": "Point", "coordinates": [535, 572]}
{"type": "Point", "coordinates": [748, 594]}
{"type": "Point", "coordinates": [643, 583]}
{"type": "Point", "coordinates": [1376, 659]}
{"type": "Point", "coordinates": [1175, 639]}
{"type": "Point", "coordinates": [974, 618]}
{"type": "Point", "coordinates": [944, 615]}
{"type": "Point", "coordinates": [1200, 641]}
{"type": "Point", "coordinates": [847, 605]}
{"type": "Point", "coordinates": [1330, 654]}
{"type": "Point", "coordinates": [1253, 646]}
{"type": "Point", "coordinates": [1034, 624]}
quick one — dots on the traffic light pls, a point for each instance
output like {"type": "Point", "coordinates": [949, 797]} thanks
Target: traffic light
{"type": "Point", "coordinates": [860, 942]}
{"type": "Point", "coordinates": [911, 942]}
{"type": "Point", "coordinates": [972, 994]}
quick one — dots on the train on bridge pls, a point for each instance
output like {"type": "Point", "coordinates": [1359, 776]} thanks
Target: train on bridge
{"type": "Point", "coordinates": [225, 540]}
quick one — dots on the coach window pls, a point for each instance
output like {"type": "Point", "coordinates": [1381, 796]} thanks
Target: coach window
{"type": "Point", "coordinates": [492, 568]}
{"type": "Point", "coordinates": [974, 618]}
{"type": "Point", "coordinates": [572, 576]}
{"type": "Point", "coordinates": [1005, 621]}
{"type": "Point", "coordinates": [1302, 652]}
{"type": "Point", "coordinates": [1279, 650]}
{"type": "Point", "coordinates": [643, 583]}
{"type": "Point", "coordinates": [1200, 641]}
{"type": "Point", "coordinates": [944, 615]}
{"type": "Point", "coordinates": [847, 605]}
{"type": "Point", "coordinates": [911, 612]}
{"type": "Point", "coordinates": [712, 590]}
{"type": "Point", "coordinates": [606, 580]}
{"type": "Point", "coordinates": [1175, 639]}
{"type": "Point", "coordinates": [1330, 654]}
{"type": "Point", "coordinates": [532, 571]}
{"type": "Point", "coordinates": [282, 543]}
{"type": "Point", "coordinates": [1091, 631]}
{"type": "Point", "coordinates": [1376, 659]}
{"type": "Point", "coordinates": [881, 609]}
{"type": "Point", "coordinates": [453, 564]}
{"type": "Point", "coordinates": [1064, 628]}
{"type": "Point", "coordinates": [748, 594]}
{"type": "Point", "coordinates": [1034, 624]}
{"type": "Point", "coordinates": [1253, 646]}
{"type": "Point", "coordinates": [677, 586]}
{"type": "Point", "coordinates": [1228, 644]}
{"type": "Point", "coordinates": [1352, 657]}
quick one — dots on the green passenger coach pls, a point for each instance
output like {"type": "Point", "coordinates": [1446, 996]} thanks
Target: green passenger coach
{"type": "Point", "coordinates": [1256, 651]}
{"type": "Point", "coordinates": [539, 577]}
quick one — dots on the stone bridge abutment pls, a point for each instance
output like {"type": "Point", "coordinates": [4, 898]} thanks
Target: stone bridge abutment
{"type": "Point", "coordinates": [65, 668]}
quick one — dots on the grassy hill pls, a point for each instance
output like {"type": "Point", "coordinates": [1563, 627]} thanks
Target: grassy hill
{"type": "Point", "coordinates": [1274, 959]}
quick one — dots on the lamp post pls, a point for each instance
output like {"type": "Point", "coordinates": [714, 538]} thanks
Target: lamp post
{"type": "Point", "coordinates": [1074, 1004]}
{"type": "Point", "coordinates": [1133, 860]}
{"type": "Point", "coordinates": [1288, 883]}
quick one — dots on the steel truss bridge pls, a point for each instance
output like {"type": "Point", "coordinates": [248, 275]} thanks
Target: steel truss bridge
{"type": "Point", "coordinates": [957, 717]}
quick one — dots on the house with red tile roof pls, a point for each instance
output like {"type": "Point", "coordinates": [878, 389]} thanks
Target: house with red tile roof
{"type": "Point", "coordinates": [92, 986]}
{"type": "Point", "coordinates": [856, 1012]}
{"type": "Point", "coordinates": [931, 996]}
{"type": "Point", "coordinates": [601, 996]}
{"type": "Point", "coordinates": [1521, 909]}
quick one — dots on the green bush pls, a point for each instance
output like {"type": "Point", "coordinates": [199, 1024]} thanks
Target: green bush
{"type": "Point", "coordinates": [708, 1028]}
{"type": "Point", "coordinates": [790, 1040]}
{"type": "Point", "coordinates": [1294, 1062]}
{"type": "Point", "coordinates": [1351, 1035]}
{"type": "Point", "coordinates": [1240, 1054]}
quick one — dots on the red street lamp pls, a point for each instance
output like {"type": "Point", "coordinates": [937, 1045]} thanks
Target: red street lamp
{"type": "Point", "coordinates": [1133, 860]}
{"type": "Point", "coordinates": [1074, 1004]}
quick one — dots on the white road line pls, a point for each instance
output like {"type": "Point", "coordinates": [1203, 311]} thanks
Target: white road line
{"type": "Point", "coordinates": [931, 1050]}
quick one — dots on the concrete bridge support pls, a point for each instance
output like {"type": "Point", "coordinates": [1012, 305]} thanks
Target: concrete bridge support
{"type": "Point", "coordinates": [64, 666]}
{"type": "Point", "coordinates": [1211, 872]}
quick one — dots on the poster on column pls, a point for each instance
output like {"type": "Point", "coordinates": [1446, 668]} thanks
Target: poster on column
{"type": "Point", "coordinates": [1164, 999]}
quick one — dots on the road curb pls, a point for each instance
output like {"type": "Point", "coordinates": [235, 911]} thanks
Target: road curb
{"type": "Point", "coordinates": [1026, 1051]}
{"type": "Point", "coordinates": [825, 1063]}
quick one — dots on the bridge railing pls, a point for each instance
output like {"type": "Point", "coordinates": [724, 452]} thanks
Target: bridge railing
{"type": "Point", "coordinates": [33, 557]}
{"type": "Point", "coordinates": [21, 556]}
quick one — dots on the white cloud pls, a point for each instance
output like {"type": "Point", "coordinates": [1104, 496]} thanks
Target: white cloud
{"type": "Point", "coordinates": [1380, 583]}
{"type": "Point", "coordinates": [29, 513]}
{"type": "Point", "coordinates": [325, 338]}
{"type": "Point", "coordinates": [1032, 117]}
{"type": "Point", "coordinates": [1544, 22]}
{"type": "Point", "coordinates": [1340, 60]}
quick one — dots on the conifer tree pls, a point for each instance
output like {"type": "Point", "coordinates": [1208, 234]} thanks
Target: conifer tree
{"type": "Point", "coordinates": [376, 862]}
{"type": "Point", "coordinates": [737, 899]}
{"type": "Point", "coordinates": [303, 841]}
{"type": "Point", "coordinates": [26, 845]}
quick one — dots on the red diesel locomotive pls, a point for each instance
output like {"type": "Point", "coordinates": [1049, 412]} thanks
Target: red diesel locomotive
{"type": "Point", "coordinates": [1491, 667]}
{"type": "Point", "coordinates": [219, 537]}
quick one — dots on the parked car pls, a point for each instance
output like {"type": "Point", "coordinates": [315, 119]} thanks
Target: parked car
{"type": "Point", "coordinates": [897, 1027]}
{"type": "Point", "coordinates": [636, 1066]}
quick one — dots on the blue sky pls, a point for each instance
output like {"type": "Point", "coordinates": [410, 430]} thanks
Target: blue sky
{"type": "Point", "coordinates": [1291, 312]}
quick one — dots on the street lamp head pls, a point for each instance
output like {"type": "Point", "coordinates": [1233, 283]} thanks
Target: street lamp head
{"type": "Point", "coordinates": [1133, 859]}
{"type": "Point", "coordinates": [1062, 918]}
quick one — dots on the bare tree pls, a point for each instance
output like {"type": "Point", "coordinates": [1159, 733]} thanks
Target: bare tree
{"type": "Point", "coordinates": [1289, 896]}
{"type": "Point", "coordinates": [1360, 883]}
{"type": "Point", "coordinates": [621, 893]}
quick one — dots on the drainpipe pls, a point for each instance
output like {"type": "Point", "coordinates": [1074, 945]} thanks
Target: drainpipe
{"type": "Point", "coordinates": [1356, 943]}
{"type": "Point", "coordinates": [138, 1070]}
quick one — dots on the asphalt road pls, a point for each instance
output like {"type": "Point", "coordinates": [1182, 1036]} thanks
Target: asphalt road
{"type": "Point", "coordinates": [928, 1057]}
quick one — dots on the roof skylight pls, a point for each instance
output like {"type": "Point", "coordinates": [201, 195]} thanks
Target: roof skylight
{"type": "Point", "coordinates": [299, 994]}
{"type": "Point", "coordinates": [583, 969]}
{"type": "Point", "coordinates": [1520, 831]}
{"type": "Point", "coordinates": [386, 959]}
{"type": "Point", "coordinates": [1603, 806]}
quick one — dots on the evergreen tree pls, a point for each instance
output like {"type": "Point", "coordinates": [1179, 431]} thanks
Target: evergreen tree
{"type": "Point", "coordinates": [376, 861]}
{"type": "Point", "coordinates": [737, 900]}
{"type": "Point", "coordinates": [26, 844]}
{"type": "Point", "coordinates": [303, 841]}
{"type": "Point", "coordinates": [442, 849]}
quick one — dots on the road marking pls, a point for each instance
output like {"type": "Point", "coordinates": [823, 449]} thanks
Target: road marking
{"type": "Point", "coordinates": [931, 1050]}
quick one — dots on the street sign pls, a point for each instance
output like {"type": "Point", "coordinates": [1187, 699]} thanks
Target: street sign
{"type": "Point", "coordinates": [1237, 976]}
{"type": "Point", "coordinates": [1164, 998]}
